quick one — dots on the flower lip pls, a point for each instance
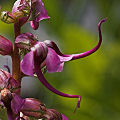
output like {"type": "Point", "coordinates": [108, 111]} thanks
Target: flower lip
{"type": "Point", "coordinates": [25, 40]}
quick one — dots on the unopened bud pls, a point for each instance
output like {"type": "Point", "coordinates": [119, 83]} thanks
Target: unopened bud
{"type": "Point", "coordinates": [6, 46]}
{"type": "Point", "coordinates": [25, 40]}
{"type": "Point", "coordinates": [52, 114]}
{"type": "Point", "coordinates": [7, 17]}
{"type": "Point", "coordinates": [31, 104]}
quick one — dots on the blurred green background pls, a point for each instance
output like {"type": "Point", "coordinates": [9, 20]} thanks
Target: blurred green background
{"type": "Point", "coordinates": [73, 26]}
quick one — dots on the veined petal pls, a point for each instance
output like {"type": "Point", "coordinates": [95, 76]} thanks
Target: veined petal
{"type": "Point", "coordinates": [16, 103]}
{"type": "Point", "coordinates": [27, 64]}
{"type": "Point", "coordinates": [25, 40]}
{"type": "Point", "coordinates": [55, 62]}
{"type": "Point", "coordinates": [40, 12]}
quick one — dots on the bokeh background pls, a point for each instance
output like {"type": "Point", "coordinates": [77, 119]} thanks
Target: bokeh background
{"type": "Point", "coordinates": [73, 26]}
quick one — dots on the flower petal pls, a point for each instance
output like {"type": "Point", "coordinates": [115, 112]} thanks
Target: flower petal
{"type": "Point", "coordinates": [64, 117]}
{"type": "Point", "coordinates": [52, 61]}
{"type": "Point", "coordinates": [27, 64]}
{"type": "Point", "coordinates": [16, 103]}
{"type": "Point", "coordinates": [55, 62]}
{"type": "Point", "coordinates": [34, 24]}
{"type": "Point", "coordinates": [40, 11]}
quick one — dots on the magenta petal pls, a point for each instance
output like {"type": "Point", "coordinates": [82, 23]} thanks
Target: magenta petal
{"type": "Point", "coordinates": [27, 64]}
{"type": "Point", "coordinates": [40, 11]}
{"type": "Point", "coordinates": [55, 62]}
{"type": "Point", "coordinates": [64, 117]}
{"type": "Point", "coordinates": [52, 61]}
{"type": "Point", "coordinates": [16, 103]}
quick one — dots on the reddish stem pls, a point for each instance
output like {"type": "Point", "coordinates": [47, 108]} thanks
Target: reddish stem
{"type": "Point", "coordinates": [16, 73]}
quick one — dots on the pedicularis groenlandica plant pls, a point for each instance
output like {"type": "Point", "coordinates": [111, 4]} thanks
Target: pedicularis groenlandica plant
{"type": "Point", "coordinates": [35, 56]}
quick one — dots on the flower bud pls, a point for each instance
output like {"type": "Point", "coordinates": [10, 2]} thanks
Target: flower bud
{"type": "Point", "coordinates": [6, 46]}
{"type": "Point", "coordinates": [6, 96]}
{"type": "Point", "coordinates": [25, 40]}
{"type": "Point", "coordinates": [52, 114]}
{"type": "Point", "coordinates": [7, 17]}
{"type": "Point", "coordinates": [31, 104]}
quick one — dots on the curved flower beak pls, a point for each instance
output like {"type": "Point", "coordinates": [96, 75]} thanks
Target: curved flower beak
{"type": "Point", "coordinates": [55, 58]}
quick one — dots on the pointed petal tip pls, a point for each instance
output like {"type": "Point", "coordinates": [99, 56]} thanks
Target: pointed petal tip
{"type": "Point", "coordinates": [101, 21]}
{"type": "Point", "coordinates": [78, 104]}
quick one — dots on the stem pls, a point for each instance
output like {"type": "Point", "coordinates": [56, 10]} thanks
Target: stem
{"type": "Point", "coordinates": [9, 113]}
{"type": "Point", "coordinates": [16, 73]}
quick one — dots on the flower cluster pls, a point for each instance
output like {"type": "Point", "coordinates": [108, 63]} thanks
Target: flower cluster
{"type": "Point", "coordinates": [36, 56]}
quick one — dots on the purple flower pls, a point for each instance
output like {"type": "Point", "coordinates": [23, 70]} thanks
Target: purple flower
{"type": "Point", "coordinates": [6, 46]}
{"type": "Point", "coordinates": [47, 53]}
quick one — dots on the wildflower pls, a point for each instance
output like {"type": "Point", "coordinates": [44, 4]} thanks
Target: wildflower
{"type": "Point", "coordinates": [47, 53]}
{"type": "Point", "coordinates": [6, 46]}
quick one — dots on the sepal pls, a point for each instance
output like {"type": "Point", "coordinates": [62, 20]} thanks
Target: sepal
{"type": "Point", "coordinates": [6, 46]}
